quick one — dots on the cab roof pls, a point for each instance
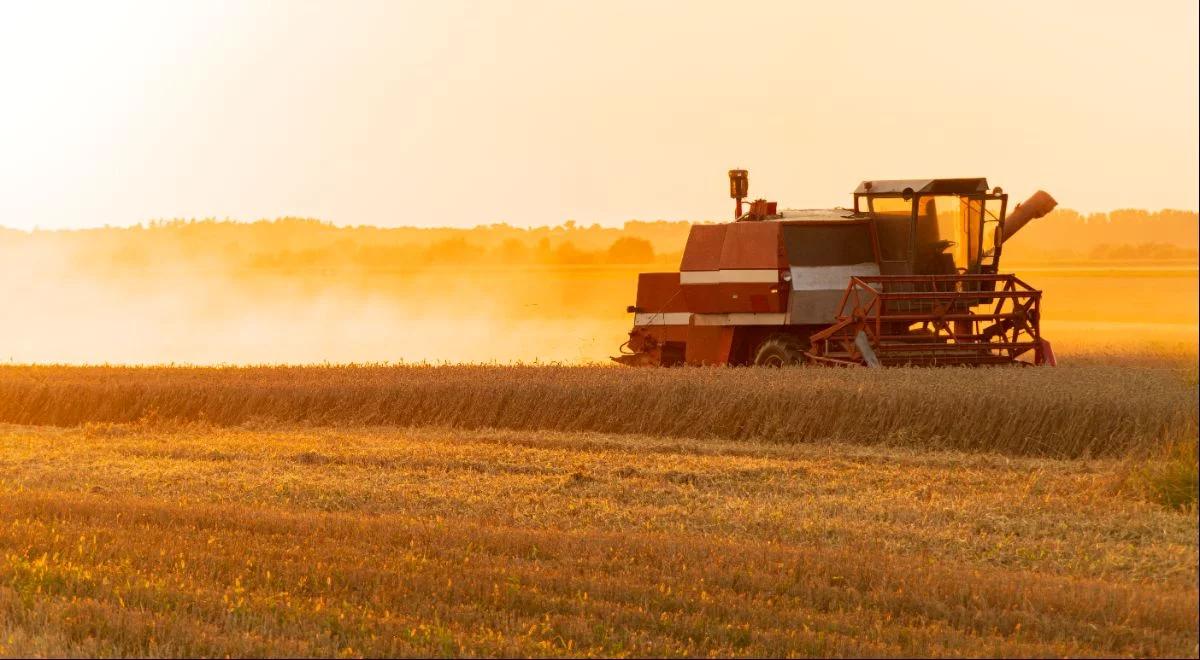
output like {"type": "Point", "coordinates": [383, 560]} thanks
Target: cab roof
{"type": "Point", "coordinates": [923, 186]}
{"type": "Point", "coordinates": [815, 215]}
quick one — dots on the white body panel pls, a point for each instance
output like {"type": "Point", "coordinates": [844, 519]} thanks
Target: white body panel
{"type": "Point", "coordinates": [825, 278]}
{"type": "Point", "coordinates": [744, 276]}
{"type": "Point", "coordinates": [741, 318]}
{"type": "Point", "coordinates": [662, 318]}
{"type": "Point", "coordinates": [817, 291]}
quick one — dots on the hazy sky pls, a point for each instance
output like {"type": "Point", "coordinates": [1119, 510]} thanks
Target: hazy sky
{"type": "Point", "coordinates": [464, 113]}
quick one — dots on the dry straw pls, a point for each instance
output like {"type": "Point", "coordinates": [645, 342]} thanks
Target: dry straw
{"type": "Point", "coordinates": [1064, 412]}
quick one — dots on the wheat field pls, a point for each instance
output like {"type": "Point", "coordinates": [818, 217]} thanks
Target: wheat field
{"type": "Point", "coordinates": [550, 511]}
{"type": "Point", "coordinates": [1090, 410]}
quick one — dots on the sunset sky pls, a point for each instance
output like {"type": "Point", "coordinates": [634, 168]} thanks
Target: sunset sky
{"type": "Point", "coordinates": [465, 113]}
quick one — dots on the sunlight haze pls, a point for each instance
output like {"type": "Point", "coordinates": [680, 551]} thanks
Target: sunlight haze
{"type": "Point", "coordinates": [460, 113]}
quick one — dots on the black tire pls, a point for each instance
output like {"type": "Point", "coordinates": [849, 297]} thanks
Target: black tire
{"type": "Point", "coordinates": [780, 351]}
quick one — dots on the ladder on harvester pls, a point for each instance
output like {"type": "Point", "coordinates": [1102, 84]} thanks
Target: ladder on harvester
{"type": "Point", "coordinates": [933, 320]}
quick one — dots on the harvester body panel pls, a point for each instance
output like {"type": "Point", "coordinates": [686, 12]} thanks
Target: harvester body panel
{"type": "Point", "coordinates": [907, 276]}
{"type": "Point", "coordinates": [822, 257]}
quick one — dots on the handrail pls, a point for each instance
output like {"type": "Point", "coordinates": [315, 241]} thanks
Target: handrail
{"type": "Point", "coordinates": [938, 319]}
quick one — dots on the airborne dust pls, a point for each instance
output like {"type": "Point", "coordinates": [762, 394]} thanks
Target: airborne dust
{"type": "Point", "coordinates": [306, 292]}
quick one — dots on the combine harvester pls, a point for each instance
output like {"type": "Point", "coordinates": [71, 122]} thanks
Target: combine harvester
{"type": "Point", "coordinates": [908, 276]}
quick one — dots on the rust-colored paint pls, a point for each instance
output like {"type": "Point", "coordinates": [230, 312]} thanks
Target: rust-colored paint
{"type": "Point", "coordinates": [704, 246]}
{"type": "Point", "coordinates": [709, 344]}
{"type": "Point", "coordinates": [742, 269]}
{"type": "Point", "coordinates": [660, 292]}
{"type": "Point", "coordinates": [958, 320]}
{"type": "Point", "coordinates": [1038, 205]}
{"type": "Point", "coordinates": [704, 298]}
{"type": "Point", "coordinates": [752, 245]}
{"type": "Point", "coordinates": [735, 297]}
{"type": "Point", "coordinates": [750, 298]}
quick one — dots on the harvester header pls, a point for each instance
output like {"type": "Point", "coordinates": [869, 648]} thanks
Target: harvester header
{"type": "Point", "coordinates": [908, 275]}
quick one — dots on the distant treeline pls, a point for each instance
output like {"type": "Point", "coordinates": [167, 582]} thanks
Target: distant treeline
{"type": "Point", "coordinates": [299, 243]}
{"type": "Point", "coordinates": [1121, 235]}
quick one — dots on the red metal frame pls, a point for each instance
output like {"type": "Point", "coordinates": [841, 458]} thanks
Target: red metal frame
{"type": "Point", "coordinates": [975, 317]}
{"type": "Point", "coordinates": [933, 320]}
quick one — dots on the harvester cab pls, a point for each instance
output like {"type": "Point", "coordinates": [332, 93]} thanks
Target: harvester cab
{"type": "Point", "coordinates": [908, 275]}
{"type": "Point", "coordinates": [942, 226]}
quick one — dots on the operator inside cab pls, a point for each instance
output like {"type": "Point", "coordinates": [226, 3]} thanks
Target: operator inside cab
{"type": "Point", "coordinates": [933, 226]}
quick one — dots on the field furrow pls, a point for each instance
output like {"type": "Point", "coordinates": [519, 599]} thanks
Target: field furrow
{"type": "Point", "coordinates": [168, 539]}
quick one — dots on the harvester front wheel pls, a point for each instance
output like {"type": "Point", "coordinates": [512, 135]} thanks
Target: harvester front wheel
{"type": "Point", "coordinates": [780, 351]}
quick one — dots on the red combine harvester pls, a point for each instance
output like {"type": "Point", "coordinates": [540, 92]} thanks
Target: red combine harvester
{"type": "Point", "coordinates": [908, 276]}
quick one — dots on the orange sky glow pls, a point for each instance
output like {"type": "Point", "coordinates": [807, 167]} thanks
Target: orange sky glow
{"type": "Point", "coordinates": [465, 113]}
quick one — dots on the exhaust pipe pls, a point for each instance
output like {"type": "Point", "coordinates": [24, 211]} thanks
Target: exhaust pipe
{"type": "Point", "coordinates": [1039, 204]}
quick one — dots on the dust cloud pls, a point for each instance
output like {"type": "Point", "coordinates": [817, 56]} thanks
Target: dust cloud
{"type": "Point", "coordinates": [165, 296]}
{"type": "Point", "coordinates": [57, 312]}
{"type": "Point", "coordinates": [214, 319]}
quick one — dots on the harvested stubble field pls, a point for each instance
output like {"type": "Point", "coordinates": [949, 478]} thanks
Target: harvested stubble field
{"type": "Point", "coordinates": [564, 511]}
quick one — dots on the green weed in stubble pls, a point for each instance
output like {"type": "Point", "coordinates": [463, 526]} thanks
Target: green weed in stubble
{"type": "Point", "coordinates": [1172, 478]}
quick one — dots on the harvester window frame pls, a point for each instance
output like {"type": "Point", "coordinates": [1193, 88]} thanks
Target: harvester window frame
{"type": "Point", "coordinates": [949, 225]}
{"type": "Point", "coordinates": [906, 264]}
{"type": "Point", "coordinates": [978, 242]}
{"type": "Point", "coordinates": [864, 205]}
{"type": "Point", "coordinates": [989, 262]}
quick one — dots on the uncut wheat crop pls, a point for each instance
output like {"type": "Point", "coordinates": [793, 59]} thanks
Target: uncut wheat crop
{"type": "Point", "coordinates": [1092, 410]}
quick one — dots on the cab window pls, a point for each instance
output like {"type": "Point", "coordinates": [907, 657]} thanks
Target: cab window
{"type": "Point", "coordinates": [893, 223]}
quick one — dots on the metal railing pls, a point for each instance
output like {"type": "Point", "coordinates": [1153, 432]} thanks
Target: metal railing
{"type": "Point", "coordinates": [933, 320]}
